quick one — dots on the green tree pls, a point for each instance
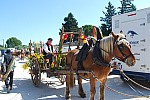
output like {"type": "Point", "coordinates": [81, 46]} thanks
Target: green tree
{"type": "Point", "coordinates": [13, 42]}
{"type": "Point", "coordinates": [2, 48]}
{"type": "Point", "coordinates": [126, 6]}
{"type": "Point", "coordinates": [110, 11]}
{"type": "Point", "coordinates": [19, 47]}
{"type": "Point", "coordinates": [70, 25]}
{"type": "Point", "coordinates": [25, 46]}
{"type": "Point", "coordinates": [88, 29]}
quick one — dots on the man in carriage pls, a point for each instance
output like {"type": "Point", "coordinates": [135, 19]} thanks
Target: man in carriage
{"type": "Point", "coordinates": [48, 51]}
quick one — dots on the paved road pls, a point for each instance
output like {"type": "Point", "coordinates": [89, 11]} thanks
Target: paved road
{"type": "Point", "coordinates": [51, 89]}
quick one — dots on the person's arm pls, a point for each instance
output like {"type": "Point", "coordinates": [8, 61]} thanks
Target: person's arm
{"type": "Point", "coordinates": [3, 59]}
{"type": "Point", "coordinates": [3, 65]}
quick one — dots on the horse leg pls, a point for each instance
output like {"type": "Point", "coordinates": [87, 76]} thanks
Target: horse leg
{"type": "Point", "coordinates": [102, 87]}
{"type": "Point", "coordinates": [67, 86]}
{"type": "Point", "coordinates": [80, 88]}
{"type": "Point", "coordinates": [92, 88]}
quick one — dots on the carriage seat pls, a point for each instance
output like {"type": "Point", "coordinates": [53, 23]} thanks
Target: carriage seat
{"type": "Point", "coordinates": [47, 61]}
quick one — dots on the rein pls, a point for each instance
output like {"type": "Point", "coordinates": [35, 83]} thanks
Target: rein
{"type": "Point", "coordinates": [124, 94]}
{"type": "Point", "coordinates": [115, 44]}
{"type": "Point", "coordinates": [120, 47]}
{"type": "Point", "coordinates": [125, 57]}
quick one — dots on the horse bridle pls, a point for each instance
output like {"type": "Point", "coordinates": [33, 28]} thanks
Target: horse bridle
{"type": "Point", "coordinates": [121, 48]}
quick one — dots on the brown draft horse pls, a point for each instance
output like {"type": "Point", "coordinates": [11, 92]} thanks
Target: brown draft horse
{"type": "Point", "coordinates": [114, 45]}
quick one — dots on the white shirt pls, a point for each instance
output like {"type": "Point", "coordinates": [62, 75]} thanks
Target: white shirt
{"type": "Point", "coordinates": [46, 49]}
{"type": "Point", "coordinates": [2, 58]}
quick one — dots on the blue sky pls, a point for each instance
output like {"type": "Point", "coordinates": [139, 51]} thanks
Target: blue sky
{"type": "Point", "coordinates": [40, 19]}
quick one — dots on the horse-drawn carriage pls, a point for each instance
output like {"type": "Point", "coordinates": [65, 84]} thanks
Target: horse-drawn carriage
{"type": "Point", "coordinates": [96, 65]}
{"type": "Point", "coordinates": [39, 65]}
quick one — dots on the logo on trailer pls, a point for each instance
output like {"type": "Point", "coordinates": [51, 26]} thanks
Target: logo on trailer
{"type": "Point", "coordinates": [132, 33]}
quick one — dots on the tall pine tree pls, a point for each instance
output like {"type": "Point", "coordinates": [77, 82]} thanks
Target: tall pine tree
{"type": "Point", "coordinates": [70, 25]}
{"type": "Point", "coordinates": [107, 25]}
{"type": "Point", "coordinates": [126, 6]}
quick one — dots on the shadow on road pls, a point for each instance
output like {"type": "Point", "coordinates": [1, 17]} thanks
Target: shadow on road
{"type": "Point", "coordinates": [45, 91]}
{"type": "Point", "coordinates": [53, 90]}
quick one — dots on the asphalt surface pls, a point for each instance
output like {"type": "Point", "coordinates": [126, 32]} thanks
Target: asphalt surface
{"type": "Point", "coordinates": [52, 89]}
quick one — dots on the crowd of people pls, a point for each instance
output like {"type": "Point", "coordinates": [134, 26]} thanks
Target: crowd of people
{"type": "Point", "coordinates": [8, 57]}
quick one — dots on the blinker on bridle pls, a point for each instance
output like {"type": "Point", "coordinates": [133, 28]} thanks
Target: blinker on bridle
{"type": "Point", "coordinates": [121, 49]}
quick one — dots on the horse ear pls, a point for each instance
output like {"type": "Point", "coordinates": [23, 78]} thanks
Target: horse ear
{"type": "Point", "coordinates": [121, 32]}
{"type": "Point", "coordinates": [114, 35]}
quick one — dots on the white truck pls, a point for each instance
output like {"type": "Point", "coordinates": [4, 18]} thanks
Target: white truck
{"type": "Point", "coordinates": [136, 27]}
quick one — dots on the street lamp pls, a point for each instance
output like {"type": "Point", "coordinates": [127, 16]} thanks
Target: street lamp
{"type": "Point", "coordinates": [3, 42]}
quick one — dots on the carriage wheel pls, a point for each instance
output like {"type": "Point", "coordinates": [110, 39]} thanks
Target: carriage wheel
{"type": "Point", "coordinates": [36, 72]}
{"type": "Point", "coordinates": [62, 78]}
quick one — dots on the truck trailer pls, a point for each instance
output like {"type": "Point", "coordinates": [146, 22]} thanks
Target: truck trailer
{"type": "Point", "coordinates": [136, 26]}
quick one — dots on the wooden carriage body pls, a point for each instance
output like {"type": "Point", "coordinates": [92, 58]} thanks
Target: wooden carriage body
{"type": "Point", "coordinates": [58, 69]}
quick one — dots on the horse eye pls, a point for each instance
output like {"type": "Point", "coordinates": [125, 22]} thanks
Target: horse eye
{"type": "Point", "coordinates": [121, 46]}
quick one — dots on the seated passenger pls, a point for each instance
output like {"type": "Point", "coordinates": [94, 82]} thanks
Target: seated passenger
{"type": "Point", "coordinates": [48, 50]}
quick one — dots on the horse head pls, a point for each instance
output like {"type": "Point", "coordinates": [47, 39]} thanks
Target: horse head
{"type": "Point", "coordinates": [122, 49]}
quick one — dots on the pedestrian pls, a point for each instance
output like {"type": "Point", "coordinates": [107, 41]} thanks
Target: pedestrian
{"type": "Point", "coordinates": [6, 63]}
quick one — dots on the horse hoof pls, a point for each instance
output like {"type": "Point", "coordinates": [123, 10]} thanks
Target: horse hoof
{"type": "Point", "coordinates": [83, 95]}
{"type": "Point", "coordinates": [102, 98]}
{"type": "Point", "coordinates": [67, 96]}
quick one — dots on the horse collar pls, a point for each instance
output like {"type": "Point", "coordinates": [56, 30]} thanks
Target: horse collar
{"type": "Point", "coordinates": [97, 56]}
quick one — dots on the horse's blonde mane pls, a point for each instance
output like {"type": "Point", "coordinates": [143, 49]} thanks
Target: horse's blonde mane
{"type": "Point", "coordinates": [107, 45]}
